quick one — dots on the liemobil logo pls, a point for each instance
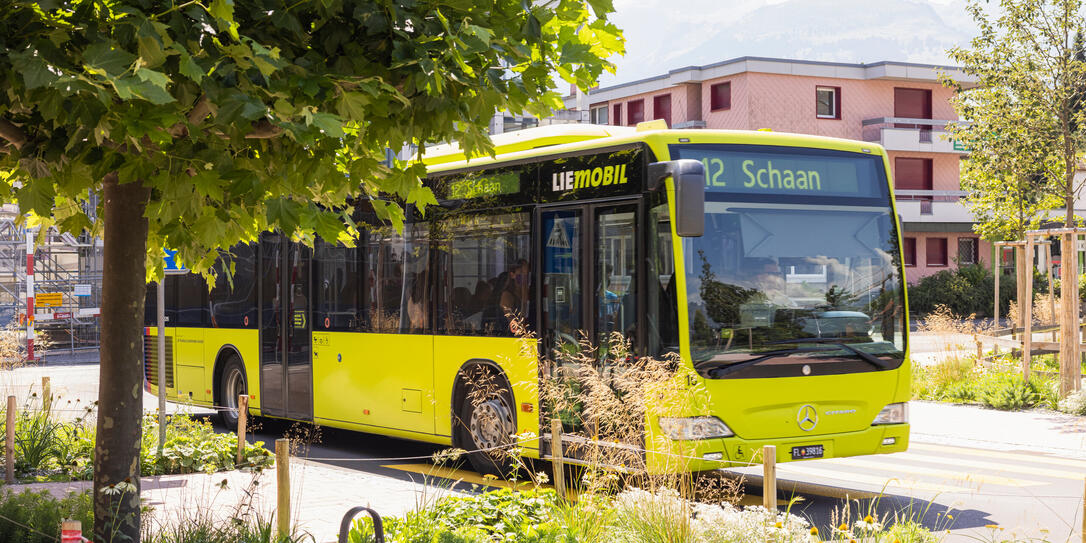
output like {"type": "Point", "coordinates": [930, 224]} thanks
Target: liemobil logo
{"type": "Point", "coordinates": [807, 418]}
{"type": "Point", "coordinates": [589, 177]}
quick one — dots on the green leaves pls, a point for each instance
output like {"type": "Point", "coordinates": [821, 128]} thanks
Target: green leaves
{"type": "Point", "coordinates": [190, 69]}
{"type": "Point", "coordinates": [106, 59]}
{"type": "Point", "coordinates": [284, 213]}
{"type": "Point", "coordinates": [1024, 128]}
{"type": "Point", "coordinates": [35, 71]}
{"type": "Point", "coordinates": [296, 106]}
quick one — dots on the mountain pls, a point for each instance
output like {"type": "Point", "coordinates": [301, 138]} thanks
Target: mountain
{"type": "Point", "coordinates": [663, 36]}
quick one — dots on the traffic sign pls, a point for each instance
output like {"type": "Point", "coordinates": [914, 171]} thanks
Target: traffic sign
{"type": "Point", "coordinates": [171, 264]}
{"type": "Point", "coordinates": [48, 299]}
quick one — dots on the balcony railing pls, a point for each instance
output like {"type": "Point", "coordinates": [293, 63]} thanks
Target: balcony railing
{"type": "Point", "coordinates": [932, 206]}
{"type": "Point", "coordinates": [909, 134]}
{"type": "Point", "coordinates": [929, 201]}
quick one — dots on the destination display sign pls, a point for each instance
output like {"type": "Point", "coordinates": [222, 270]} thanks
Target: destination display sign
{"type": "Point", "coordinates": [481, 184]}
{"type": "Point", "coordinates": [782, 171]}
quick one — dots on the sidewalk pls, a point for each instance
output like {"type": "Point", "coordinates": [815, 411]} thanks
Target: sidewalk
{"type": "Point", "coordinates": [320, 496]}
{"type": "Point", "coordinates": [971, 426]}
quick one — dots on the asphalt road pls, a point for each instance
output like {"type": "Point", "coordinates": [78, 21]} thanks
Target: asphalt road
{"type": "Point", "coordinates": [943, 486]}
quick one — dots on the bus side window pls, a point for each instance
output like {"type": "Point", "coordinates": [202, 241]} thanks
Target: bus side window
{"type": "Point", "coordinates": [190, 300]}
{"type": "Point", "coordinates": [234, 296]}
{"type": "Point", "coordinates": [337, 288]}
{"type": "Point", "coordinates": [489, 278]}
{"type": "Point", "coordinates": [398, 285]}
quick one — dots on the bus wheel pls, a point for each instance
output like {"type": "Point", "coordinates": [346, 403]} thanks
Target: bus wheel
{"type": "Point", "coordinates": [487, 427]}
{"type": "Point", "coordinates": [232, 384]}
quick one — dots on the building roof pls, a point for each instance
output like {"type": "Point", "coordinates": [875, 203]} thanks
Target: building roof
{"type": "Point", "coordinates": [885, 70]}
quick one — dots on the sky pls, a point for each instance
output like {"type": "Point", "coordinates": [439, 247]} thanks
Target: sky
{"type": "Point", "coordinates": [663, 35]}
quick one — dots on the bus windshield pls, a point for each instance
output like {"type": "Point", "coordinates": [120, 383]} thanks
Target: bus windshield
{"type": "Point", "coordinates": [798, 268]}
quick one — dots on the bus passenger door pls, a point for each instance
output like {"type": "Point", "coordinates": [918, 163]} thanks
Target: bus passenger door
{"type": "Point", "coordinates": [589, 291]}
{"type": "Point", "coordinates": [286, 370]}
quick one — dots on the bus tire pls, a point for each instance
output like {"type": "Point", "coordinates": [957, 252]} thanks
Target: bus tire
{"type": "Point", "coordinates": [232, 383]}
{"type": "Point", "coordinates": [487, 424]}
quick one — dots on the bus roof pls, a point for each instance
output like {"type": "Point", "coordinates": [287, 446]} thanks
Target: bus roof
{"type": "Point", "coordinates": [565, 138]}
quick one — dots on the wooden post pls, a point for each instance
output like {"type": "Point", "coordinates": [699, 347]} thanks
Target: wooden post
{"type": "Point", "coordinates": [1051, 297]}
{"type": "Point", "coordinates": [71, 531]}
{"type": "Point", "coordinates": [1069, 329]}
{"type": "Point", "coordinates": [557, 460]}
{"type": "Point", "coordinates": [9, 441]}
{"type": "Point", "coordinates": [46, 395]}
{"type": "Point", "coordinates": [1020, 283]}
{"type": "Point", "coordinates": [243, 415]}
{"type": "Point", "coordinates": [1027, 311]}
{"type": "Point", "coordinates": [282, 472]}
{"type": "Point", "coordinates": [980, 348]}
{"type": "Point", "coordinates": [769, 478]}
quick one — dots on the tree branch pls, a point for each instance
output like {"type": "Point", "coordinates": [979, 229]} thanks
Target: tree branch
{"type": "Point", "coordinates": [262, 130]}
{"type": "Point", "coordinates": [199, 112]}
{"type": "Point", "coordinates": [12, 133]}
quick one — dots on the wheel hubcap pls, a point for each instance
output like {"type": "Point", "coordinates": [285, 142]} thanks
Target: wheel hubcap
{"type": "Point", "coordinates": [491, 424]}
{"type": "Point", "coordinates": [235, 386]}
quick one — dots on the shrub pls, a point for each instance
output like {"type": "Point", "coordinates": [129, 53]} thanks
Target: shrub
{"type": "Point", "coordinates": [1048, 392]}
{"type": "Point", "coordinates": [1074, 403]}
{"type": "Point", "coordinates": [950, 379]}
{"type": "Point", "coordinates": [1007, 391]}
{"type": "Point", "coordinates": [207, 529]}
{"type": "Point", "coordinates": [966, 290]}
{"type": "Point", "coordinates": [49, 449]}
{"type": "Point", "coordinates": [26, 516]}
{"type": "Point", "coordinates": [192, 445]}
{"type": "Point", "coordinates": [502, 515]}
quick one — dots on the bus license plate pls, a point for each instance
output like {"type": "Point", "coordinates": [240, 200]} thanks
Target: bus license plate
{"type": "Point", "coordinates": [807, 451]}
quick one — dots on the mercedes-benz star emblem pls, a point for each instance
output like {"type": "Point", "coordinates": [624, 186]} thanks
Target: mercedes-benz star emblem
{"type": "Point", "coordinates": [807, 418]}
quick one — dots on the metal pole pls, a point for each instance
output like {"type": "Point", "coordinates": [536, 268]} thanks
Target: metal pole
{"type": "Point", "coordinates": [29, 295]}
{"type": "Point", "coordinates": [9, 442]}
{"type": "Point", "coordinates": [161, 310]}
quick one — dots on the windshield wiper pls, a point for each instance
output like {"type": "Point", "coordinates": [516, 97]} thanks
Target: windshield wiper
{"type": "Point", "coordinates": [717, 368]}
{"type": "Point", "coordinates": [865, 356]}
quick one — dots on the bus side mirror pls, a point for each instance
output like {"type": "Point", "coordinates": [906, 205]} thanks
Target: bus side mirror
{"type": "Point", "coordinates": [689, 176]}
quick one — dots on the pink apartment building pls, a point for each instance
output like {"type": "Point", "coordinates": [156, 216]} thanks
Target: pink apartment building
{"type": "Point", "coordinates": [901, 106]}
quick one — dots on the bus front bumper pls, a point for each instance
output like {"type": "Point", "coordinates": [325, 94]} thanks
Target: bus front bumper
{"type": "Point", "coordinates": [737, 452]}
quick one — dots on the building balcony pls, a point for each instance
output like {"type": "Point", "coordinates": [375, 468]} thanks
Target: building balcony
{"type": "Point", "coordinates": [915, 135]}
{"type": "Point", "coordinates": [932, 206]}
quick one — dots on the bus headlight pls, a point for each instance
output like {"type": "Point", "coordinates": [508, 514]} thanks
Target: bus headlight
{"type": "Point", "coordinates": [895, 413]}
{"type": "Point", "coordinates": [690, 428]}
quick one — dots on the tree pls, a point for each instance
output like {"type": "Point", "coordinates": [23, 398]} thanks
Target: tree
{"type": "Point", "coordinates": [202, 123]}
{"type": "Point", "coordinates": [1025, 113]}
{"type": "Point", "coordinates": [1026, 125]}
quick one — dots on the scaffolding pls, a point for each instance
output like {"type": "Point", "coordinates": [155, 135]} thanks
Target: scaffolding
{"type": "Point", "coordinates": [67, 270]}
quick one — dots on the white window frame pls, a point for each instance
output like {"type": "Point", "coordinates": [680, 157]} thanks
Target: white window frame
{"type": "Point", "coordinates": [833, 102]}
{"type": "Point", "coordinates": [594, 116]}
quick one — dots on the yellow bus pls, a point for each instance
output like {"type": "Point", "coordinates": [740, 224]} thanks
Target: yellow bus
{"type": "Point", "coordinates": [769, 262]}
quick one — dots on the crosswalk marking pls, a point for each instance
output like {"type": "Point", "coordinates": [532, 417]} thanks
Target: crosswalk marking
{"type": "Point", "coordinates": [898, 467]}
{"type": "Point", "coordinates": [874, 480]}
{"type": "Point", "coordinates": [1020, 457]}
{"type": "Point", "coordinates": [997, 466]}
{"type": "Point", "coordinates": [467, 476]}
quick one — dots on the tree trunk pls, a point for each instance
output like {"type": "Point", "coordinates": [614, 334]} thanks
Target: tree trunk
{"type": "Point", "coordinates": [120, 393]}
